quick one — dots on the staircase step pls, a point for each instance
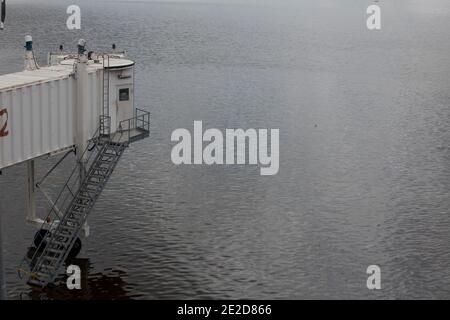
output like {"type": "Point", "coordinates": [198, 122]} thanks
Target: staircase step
{"type": "Point", "coordinates": [55, 251]}
{"type": "Point", "coordinates": [75, 221]}
{"type": "Point", "coordinates": [48, 258]}
{"type": "Point", "coordinates": [42, 275]}
{"type": "Point", "coordinates": [101, 169]}
{"type": "Point", "coordinates": [109, 155]}
{"type": "Point", "coordinates": [88, 185]}
{"type": "Point", "coordinates": [93, 183]}
{"type": "Point", "coordinates": [93, 190]}
{"type": "Point", "coordinates": [98, 176]}
{"type": "Point", "coordinates": [77, 213]}
{"type": "Point", "coordinates": [59, 243]}
{"type": "Point", "coordinates": [80, 197]}
{"type": "Point", "coordinates": [77, 210]}
{"type": "Point", "coordinates": [80, 206]}
{"type": "Point", "coordinates": [84, 194]}
{"type": "Point", "coordinates": [65, 226]}
{"type": "Point", "coordinates": [81, 202]}
{"type": "Point", "coordinates": [87, 194]}
{"type": "Point", "coordinates": [105, 161]}
{"type": "Point", "coordinates": [37, 283]}
{"type": "Point", "coordinates": [105, 171]}
{"type": "Point", "coordinates": [85, 191]}
{"type": "Point", "coordinates": [48, 268]}
{"type": "Point", "coordinates": [64, 236]}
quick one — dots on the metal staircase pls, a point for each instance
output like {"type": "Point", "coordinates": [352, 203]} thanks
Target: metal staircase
{"type": "Point", "coordinates": [75, 201]}
{"type": "Point", "coordinates": [57, 244]}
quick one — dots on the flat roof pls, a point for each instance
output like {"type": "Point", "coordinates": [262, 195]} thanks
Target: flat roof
{"type": "Point", "coordinates": [114, 63]}
{"type": "Point", "coordinates": [23, 78]}
{"type": "Point", "coordinates": [56, 72]}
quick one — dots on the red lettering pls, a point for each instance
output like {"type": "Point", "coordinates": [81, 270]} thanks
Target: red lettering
{"type": "Point", "coordinates": [3, 131]}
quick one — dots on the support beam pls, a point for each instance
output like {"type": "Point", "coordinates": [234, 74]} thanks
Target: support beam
{"type": "Point", "coordinates": [31, 192]}
{"type": "Point", "coordinates": [2, 275]}
{"type": "Point", "coordinates": [81, 137]}
{"type": "Point", "coordinates": [81, 110]}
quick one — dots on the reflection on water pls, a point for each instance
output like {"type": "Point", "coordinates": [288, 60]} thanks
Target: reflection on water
{"type": "Point", "coordinates": [94, 285]}
{"type": "Point", "coordinates": [364, 150]}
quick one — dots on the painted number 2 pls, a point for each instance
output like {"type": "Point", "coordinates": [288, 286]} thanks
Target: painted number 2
{"type": "Point", "coordinates": [3, 131]}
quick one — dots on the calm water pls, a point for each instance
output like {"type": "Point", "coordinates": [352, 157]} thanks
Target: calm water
{"type": "Point", "coordinates": [369, 184]}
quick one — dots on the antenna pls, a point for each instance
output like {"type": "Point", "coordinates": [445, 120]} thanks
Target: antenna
{"type": "Point", "coordinates": [30, 60]}
{"type": "Point", "coordinates": [3, 15]}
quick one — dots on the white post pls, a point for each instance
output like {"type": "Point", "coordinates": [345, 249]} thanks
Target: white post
{"type": "Point", "coordinates": [2, 274]}
{"type": "Point", "coordinates": [81, 138]}
{"type": "Point", "coordinates": [2, 280]}
{"type": "Point", "coordinates": [80, 110]}
{"type": "Point", "coordinates": [31, 192]}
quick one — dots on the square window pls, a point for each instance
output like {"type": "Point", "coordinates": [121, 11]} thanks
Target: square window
{"type": "Point", "coordinates": [124, 94]}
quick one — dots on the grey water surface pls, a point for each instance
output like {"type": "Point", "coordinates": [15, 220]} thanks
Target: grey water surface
{"type": "Point", "coordinates": [364, 150]}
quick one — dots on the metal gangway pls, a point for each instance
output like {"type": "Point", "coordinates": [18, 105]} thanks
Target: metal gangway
{"type": "Point", "coordinates": [58, 238]}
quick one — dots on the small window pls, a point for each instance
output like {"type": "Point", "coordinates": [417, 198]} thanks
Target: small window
{"type": "Point", "coordinates": [124, 94]}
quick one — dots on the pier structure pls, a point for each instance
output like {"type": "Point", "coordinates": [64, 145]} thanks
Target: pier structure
{"type": "Point", "coordinates": [82, 103]}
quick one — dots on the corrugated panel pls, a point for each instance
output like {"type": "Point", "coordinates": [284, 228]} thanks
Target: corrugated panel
{"type": "Point", "coordinates": [40, 119]}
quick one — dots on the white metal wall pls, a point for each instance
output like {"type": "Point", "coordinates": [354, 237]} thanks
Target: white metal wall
{"type": "Point", "coordinates": [125, 81]}
{"type": "Point", "coordinates": [40, 118]}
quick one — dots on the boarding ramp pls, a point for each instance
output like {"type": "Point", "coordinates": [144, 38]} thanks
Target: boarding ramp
{"type": "Point", "coordinates": [68, 214]}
